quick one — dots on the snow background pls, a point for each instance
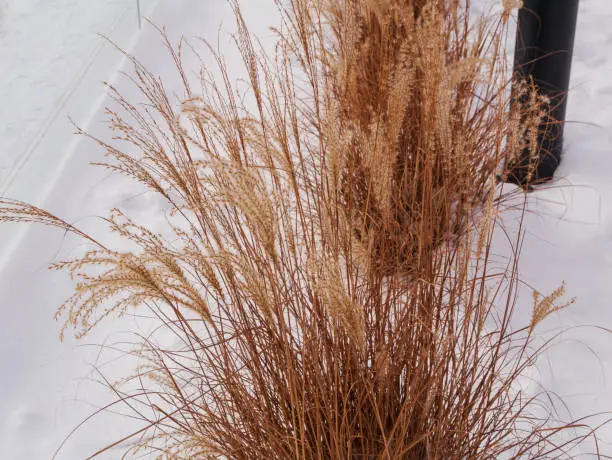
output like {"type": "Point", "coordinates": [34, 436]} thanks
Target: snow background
{"type": "Point", "coordinates": [52, 64]}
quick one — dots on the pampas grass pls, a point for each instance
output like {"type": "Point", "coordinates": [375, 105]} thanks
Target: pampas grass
{"type": "Point", "coordinates": [326, 271]}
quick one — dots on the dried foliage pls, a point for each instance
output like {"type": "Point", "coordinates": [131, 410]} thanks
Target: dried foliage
{"type": "Point", "coordinates": [326, 272]}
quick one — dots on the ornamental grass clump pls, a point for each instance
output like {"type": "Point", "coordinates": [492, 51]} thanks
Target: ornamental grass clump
{"type": "Point", "coordinates": [325, 274]}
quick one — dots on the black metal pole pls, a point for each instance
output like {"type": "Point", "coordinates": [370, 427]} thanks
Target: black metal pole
{"type": "Point", "coordinates": [544, 47]}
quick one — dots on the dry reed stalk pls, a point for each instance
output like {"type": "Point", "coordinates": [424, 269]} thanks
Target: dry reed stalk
{"type": "Point", "coordinates": [327, 274]}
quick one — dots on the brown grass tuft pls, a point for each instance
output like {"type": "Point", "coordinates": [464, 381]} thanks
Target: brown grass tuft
{"type": "Point", "coordinates": [326, 273]}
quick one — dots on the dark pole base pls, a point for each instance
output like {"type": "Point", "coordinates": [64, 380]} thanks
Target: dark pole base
{"type": "Point", "coordinates": [544, 47]}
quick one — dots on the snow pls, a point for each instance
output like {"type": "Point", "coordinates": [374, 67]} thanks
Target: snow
{"type": "Point", "coordinates": [46, 47]}
{"type": "Point", "coordinates": [63, 55]}
{"type": "Point", "coordinates": [569, 234]}
{"type": "Point", "coordinates": [46, 388]}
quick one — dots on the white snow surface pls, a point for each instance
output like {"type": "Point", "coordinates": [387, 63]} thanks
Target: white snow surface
{"type": "Point", "coordinates": [46, 47]}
